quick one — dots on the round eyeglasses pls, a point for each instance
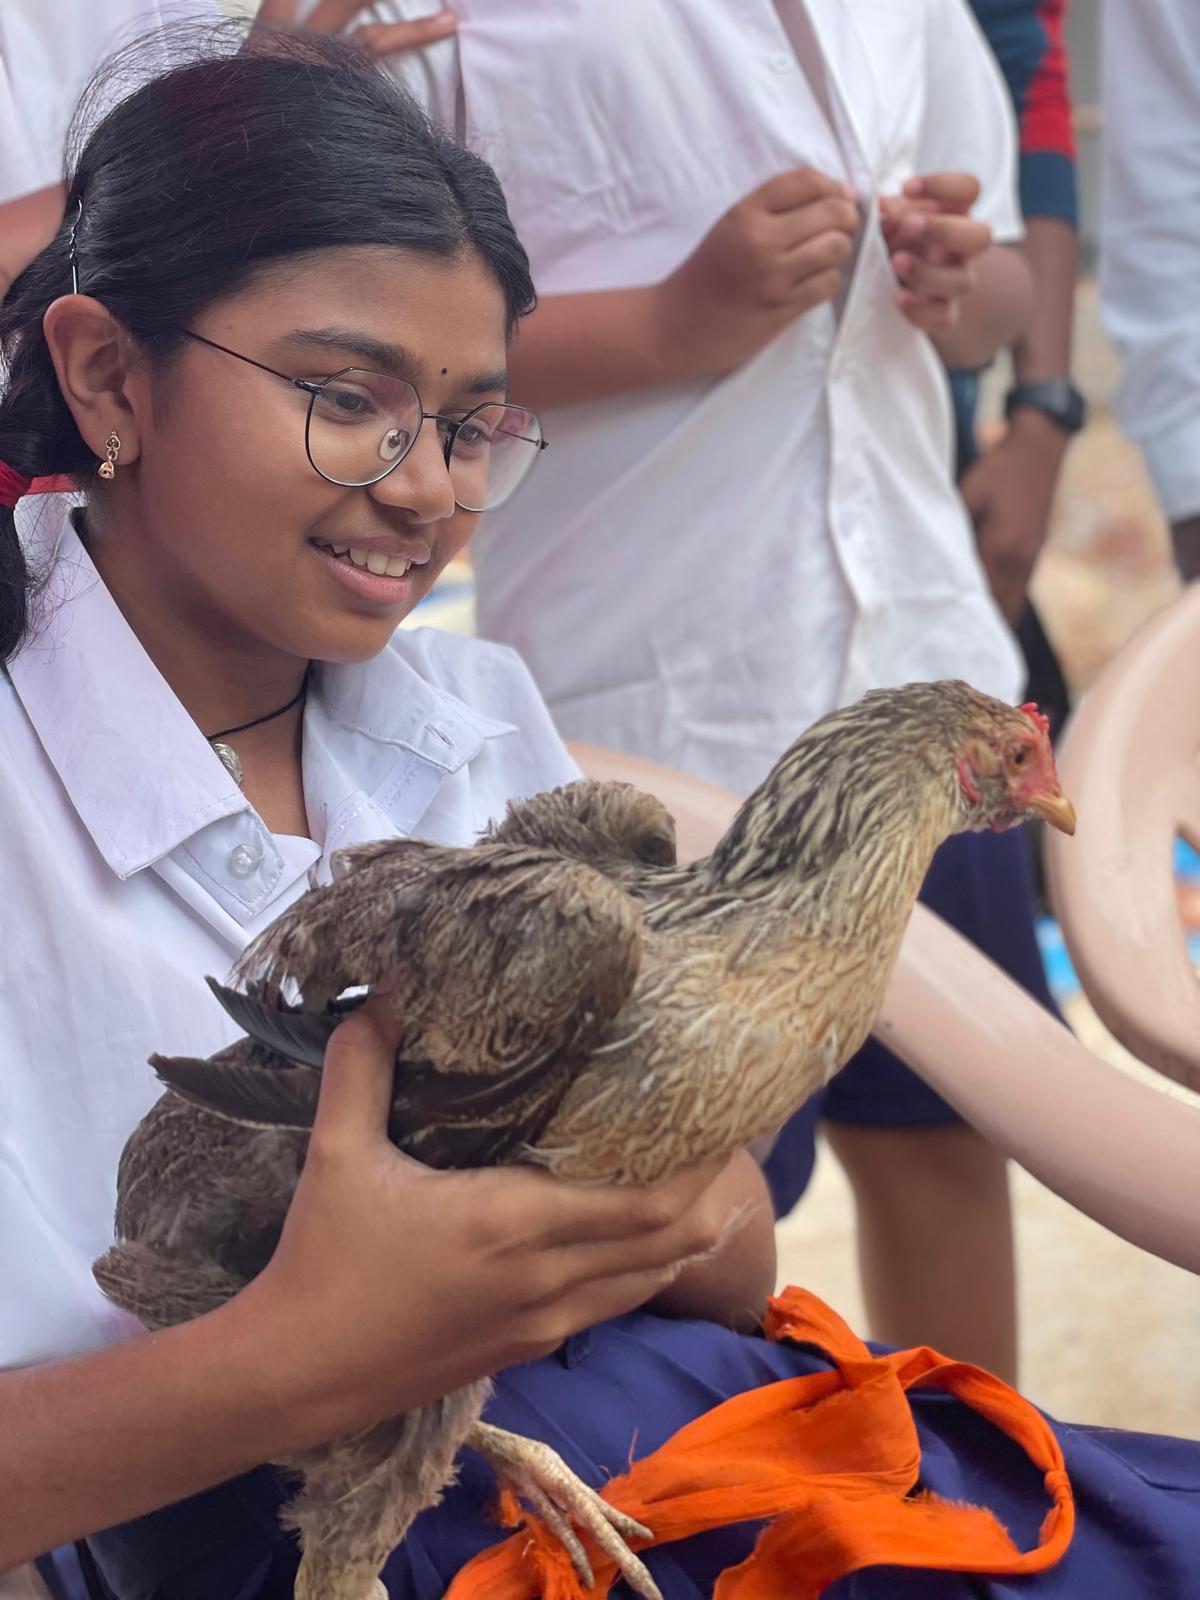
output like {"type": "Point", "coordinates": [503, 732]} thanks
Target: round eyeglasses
{"type": "Point", "coordinates": [362, 424]}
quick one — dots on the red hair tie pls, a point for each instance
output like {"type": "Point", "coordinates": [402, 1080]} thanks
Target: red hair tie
{"type": "Point", "coordinates": [15, 485]}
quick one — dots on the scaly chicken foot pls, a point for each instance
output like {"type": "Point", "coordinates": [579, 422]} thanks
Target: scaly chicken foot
{"type": "Point", "coordinates": [540, 1476]}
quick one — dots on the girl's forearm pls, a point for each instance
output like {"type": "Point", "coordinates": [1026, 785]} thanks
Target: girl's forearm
{"type": "Point", "coordinates": [577, 347]}
{"type": "Point", "coordinates": [101, 1438]}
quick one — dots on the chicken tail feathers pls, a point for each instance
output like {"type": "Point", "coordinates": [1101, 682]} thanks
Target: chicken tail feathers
{"type": "Point", "coordinates": [299, 1036]}
{"type": "Point", "coordinates": [247, 1093]}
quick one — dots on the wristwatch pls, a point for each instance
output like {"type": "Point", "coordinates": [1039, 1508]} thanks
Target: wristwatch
{"type": "Point", "coordinates": [1057, 397]}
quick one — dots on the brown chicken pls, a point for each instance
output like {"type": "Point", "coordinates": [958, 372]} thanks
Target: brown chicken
{"type": "Point", "coordinates": [571, 997]}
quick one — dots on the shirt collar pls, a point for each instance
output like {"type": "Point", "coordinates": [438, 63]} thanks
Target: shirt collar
{"type": "Point", "coordinates": [138, 771]}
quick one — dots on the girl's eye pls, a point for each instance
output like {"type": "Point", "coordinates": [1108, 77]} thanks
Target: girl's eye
{"type": "Point", "coordinates": [344, 404]}
{"type": "Point", "coordinates": [471, 437]}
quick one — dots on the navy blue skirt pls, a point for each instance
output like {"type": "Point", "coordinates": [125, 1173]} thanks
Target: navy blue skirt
{"type": "Point", "coordinates": [623, 1389]}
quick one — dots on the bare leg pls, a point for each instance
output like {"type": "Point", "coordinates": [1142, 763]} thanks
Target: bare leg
{"type": "Point", "coordinates": [540, 1476]}
{"type": "Point", "coordinates": [935, 1240]}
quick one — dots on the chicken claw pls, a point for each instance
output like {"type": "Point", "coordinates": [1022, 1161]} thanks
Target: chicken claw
{"type": "Point", "coordinates": [540, 1476]}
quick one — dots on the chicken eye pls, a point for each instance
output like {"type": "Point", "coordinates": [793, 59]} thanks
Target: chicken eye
{"type": "Point", "coordinates": [1020, 757]}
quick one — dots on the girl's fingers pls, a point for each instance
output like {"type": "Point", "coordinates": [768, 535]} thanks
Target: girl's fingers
{"type": "Point", "coordinates": [931, 280]}
{"type": "Point", "coordinates": [825, 217]}
{"type": "Point", "coordinates": [790, 191]}
{"type": "Point", "coordinates": [931, 316]}
{"type": "Point", "coordinates": [356, 1083]}
{"type": "Point", "coordinates": [566, 1216]}
{"type": "Point", "coordinates": [957, 236]}
{"type": "Point", "coordinates": [956, 191]}
{"type": "Point", "coordinates": [381, 39]}
{"type": "Point", "coordinates": [827, 254]}
{"type": "Point", "coordinates": [694, 1232]}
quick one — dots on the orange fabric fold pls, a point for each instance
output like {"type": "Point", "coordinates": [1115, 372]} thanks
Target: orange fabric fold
{"type": "Point", "coordinates": [829, 1461]}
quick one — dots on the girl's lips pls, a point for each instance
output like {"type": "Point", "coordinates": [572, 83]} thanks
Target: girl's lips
{"type": "Point", "coordinates": [375, 587]}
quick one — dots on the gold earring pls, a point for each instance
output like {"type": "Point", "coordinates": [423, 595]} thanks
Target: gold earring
{"type": "Point", "coordinates": [112, 446]}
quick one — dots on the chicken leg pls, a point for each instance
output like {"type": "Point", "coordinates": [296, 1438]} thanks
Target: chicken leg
{"type": "Point", "coordinates": [540, 1476]}
{"type": "Point", "coordinates": [318, 1580]}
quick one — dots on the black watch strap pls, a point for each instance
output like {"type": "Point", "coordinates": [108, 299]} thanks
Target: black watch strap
{"type": "Point", "coordinates": [1057, 397]}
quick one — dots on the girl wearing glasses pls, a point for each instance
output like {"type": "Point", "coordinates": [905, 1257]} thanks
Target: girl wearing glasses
{"type": "Point", "coordinates": [265, 358]}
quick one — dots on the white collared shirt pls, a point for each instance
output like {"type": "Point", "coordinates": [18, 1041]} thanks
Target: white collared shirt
{"type": "Point", "coordinates": [695, 573]}
{"type": "Point", "coordinates": [1150, 241]}
{"type": "Point", "coordinates": [131, 866]}
{"type": "Point", "coordinates": [49, 49]}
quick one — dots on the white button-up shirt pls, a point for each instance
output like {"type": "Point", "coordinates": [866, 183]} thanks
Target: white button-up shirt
{"type": "Point", "coordinates": [131, 866]}
{"type": "Point", "coordinates": [49, 49]}
{"type": "Point", "coordinates": [695, 573]}
{"type": "Point", "coordinates": [1150, 245]}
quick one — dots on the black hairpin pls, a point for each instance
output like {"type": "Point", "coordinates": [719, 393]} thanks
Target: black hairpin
{"type": "Point", "coordinates": [71, 249]}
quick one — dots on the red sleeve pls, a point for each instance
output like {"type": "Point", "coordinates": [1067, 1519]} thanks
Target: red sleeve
{"type": "Point", "coordinates": [1045, 118]}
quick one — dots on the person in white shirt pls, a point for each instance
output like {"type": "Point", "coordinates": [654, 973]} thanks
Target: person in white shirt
{"type": "Point", "coordinates": [49, 49]}
{"type": "Point", "coordinates": [197, 589]}
{"type": "Point", "coordinates": [1150, 245]}
{"type": "Point", "coordinates": [753, 230]}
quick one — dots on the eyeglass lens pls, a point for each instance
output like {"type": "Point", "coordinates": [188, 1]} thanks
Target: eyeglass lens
{"type": "Point", "coordinates": [360, 424]}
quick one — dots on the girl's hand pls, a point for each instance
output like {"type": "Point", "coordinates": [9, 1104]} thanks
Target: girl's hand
{"type": "Point", "coordinates": [933, 243]}
{"type": "Point", "coordinates": [393, 1284]}
{"type": "Point", "coordinates": [731, 1285]}
{"type": "Point", "coordinates": [775, 255]}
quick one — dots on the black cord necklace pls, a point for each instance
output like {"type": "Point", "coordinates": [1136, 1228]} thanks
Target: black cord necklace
{"type": "Point", "coordinates": [229, 757]}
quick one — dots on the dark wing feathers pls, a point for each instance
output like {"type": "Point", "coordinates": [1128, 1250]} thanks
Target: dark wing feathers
{"type": "Point", "coordinates": [508, 963]}
{"type": "Point", "coordinates": [255, 1095]}
{"type": "Point", "coordinates": [447, 1119]}
{"type": "Point", "coordinates": [294, 1034]}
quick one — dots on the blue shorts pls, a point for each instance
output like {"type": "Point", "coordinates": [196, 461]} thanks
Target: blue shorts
{"type": "Point", "coordinates": [982, 884]}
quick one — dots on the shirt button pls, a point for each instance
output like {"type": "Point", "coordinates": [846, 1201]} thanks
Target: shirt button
{"type": "Point", "coordinates": [782, 61]}
{"type": "Point", "coordinates": [245, 859]}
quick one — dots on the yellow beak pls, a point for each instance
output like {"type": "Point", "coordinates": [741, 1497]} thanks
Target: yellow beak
{"type": "Point", "coordinates": [1055, 809]}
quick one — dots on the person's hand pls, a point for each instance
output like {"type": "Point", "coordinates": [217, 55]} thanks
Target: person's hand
{"type": "Point", "coordinates": [933, 243]}
{"type": "Point", "coordinates": [731, 1285]}
{"type": "Point", "coordinates": [393, 1284]}
{"type": "Point", "coordinates": [1009, 492]}
{"type": "Point", "coordinates": [775, 255]}
{"type": "Point", "coordinates": [378, 39]}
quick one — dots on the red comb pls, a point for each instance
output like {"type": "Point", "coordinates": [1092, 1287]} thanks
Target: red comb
{"type": "Point", "coordinates": [1038, 718]}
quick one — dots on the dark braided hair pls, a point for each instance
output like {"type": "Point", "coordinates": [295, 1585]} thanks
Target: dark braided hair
{"type": "Point", "coordinates": [192, 183]}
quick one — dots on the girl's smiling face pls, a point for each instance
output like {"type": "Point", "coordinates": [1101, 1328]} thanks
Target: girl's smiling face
{"type": "Point", "coordinates": [221, 514]}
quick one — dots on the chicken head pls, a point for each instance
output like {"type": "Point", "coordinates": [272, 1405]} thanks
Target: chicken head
{"type": "Point", "coordinates": [1006, 773]}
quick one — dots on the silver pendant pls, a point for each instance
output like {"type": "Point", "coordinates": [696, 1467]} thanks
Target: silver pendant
{"type": "Point", "coordinates": [230, 760]}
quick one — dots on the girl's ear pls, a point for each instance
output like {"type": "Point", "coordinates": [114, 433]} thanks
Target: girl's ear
{"type": "Point", "coordinates": [92, 356]}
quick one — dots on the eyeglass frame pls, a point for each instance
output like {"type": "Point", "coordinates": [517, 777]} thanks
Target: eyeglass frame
{"type": "Point", "coordinates": [313, 386]}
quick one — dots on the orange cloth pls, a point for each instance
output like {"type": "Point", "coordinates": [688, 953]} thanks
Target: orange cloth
{"type": "Point", "coordinates": [830, 1459]}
